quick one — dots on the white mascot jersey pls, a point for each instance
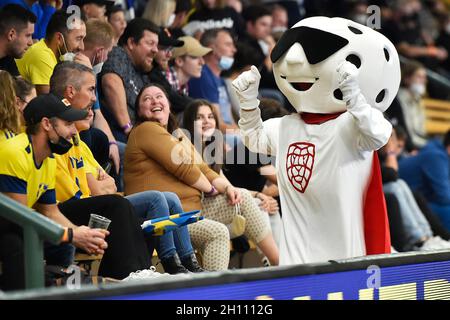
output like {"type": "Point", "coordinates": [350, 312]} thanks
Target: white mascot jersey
{"type": "Point", "coordinates": [324, 166]}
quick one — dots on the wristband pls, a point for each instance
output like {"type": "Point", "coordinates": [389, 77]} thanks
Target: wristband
{"type": "Point", "coordinates": [127, 126]}
{"type": "Point", "coordinates": [210, 193]}
{"type": "Point", "coordinates": [67, 236]}
{"type": "Point", "coordinates": [70, 232]}
{"type": "Point", "coordinates": [113, 143]}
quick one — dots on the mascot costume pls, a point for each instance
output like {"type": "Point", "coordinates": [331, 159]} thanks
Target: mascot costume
{"type": "Point", "coordinates": [340, 76]}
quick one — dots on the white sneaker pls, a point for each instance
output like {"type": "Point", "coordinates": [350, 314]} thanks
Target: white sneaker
{"type": "Point", "coordinates": [444, 244]}
{"type": "Point", "coordinates": [145, 274]}
{"type": "Point", "coordinates": [435, 243]}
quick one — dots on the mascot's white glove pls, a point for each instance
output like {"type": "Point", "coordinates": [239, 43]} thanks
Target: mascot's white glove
{"type": "Point", "coordinates": [246, 86]}
{"type": "Point", "coordinates": [348, 83]}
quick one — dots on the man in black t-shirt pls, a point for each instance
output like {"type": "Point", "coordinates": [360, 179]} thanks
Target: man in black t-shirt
{"type": "Point", "coordinates": [16, 31]}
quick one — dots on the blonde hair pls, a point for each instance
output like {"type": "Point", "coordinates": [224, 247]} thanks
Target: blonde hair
{"type": "Point", "coordinates": [9, 113]}
{"type": "Point", "coordinates": [159, 11]}
{"type": "Point", "coordinates": [98, 32]}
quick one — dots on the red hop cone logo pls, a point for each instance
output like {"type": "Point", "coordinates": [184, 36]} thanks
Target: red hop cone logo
{"type": "Point", "coordinates": [299, 164]}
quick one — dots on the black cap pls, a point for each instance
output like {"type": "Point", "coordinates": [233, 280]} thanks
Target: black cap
{"type": "Point", "coordinates": [49, 106]}
{"type": "Point", "coordinates": [165, 39]}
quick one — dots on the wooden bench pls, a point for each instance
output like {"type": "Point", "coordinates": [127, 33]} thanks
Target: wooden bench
{"type": "Point", "coordinates": [437, 114]}
{"type": "Point", "coordinates": [90, 263]}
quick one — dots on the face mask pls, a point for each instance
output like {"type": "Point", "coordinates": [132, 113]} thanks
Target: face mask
{"type": "Point", "coordinates": [417, 89]}
{"type": "Point", "coordinates": [171, 20]}
{"type": "Point", "coordinates": [68, 56]}
{"type": "Point", "coordinates": [60, 147]}
{"type": "Point", "coordinates": [278, 29]}
{"type": "Point", "coordinates": [225, 63]}
{"type": "Point", "coordinates": [98, 68]}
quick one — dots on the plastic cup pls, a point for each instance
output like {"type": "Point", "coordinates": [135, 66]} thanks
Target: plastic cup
{"type": "Point", "coordinates": [98, 222]}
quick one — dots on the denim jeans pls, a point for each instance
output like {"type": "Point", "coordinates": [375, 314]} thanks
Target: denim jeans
{"type": "Point", "coordinates": [415, 224]}
{"type": "Point", "coordinates": [155, 204]}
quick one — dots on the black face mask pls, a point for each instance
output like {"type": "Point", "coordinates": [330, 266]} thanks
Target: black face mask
{"type": "Point", "coordinates": [62, 146]}
{"type": "Point", "coordinates": [317, 44]}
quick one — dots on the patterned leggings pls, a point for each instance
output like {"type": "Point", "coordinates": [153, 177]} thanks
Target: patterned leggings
{"type": "Point", "coordinates": [212, 239]}
{"type": "Point", "coordinates": [256, 226]}
{"type": "Point", "coordinates": [211, 235]}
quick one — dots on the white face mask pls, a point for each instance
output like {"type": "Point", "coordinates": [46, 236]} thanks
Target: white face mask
{"type": "Point", "coordinates": [279, 29]}
{"type": "Point", "coordinates": [417, 89]}
{"type": "Point", "coordinates": [171, 19]}
{"type": "Point", "coordinates": [98, 68]}
{"type": "Point", "coordinates": [69, 56]}
{"type": "Point", "coordinates": [225, 63]}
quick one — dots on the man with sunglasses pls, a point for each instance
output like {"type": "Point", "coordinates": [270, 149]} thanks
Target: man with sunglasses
{"type": "Point", "coordinates": [339, 76]}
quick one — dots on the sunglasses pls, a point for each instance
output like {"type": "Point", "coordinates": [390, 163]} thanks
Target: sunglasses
{"type": "Point", "coordinates": [317, 44]}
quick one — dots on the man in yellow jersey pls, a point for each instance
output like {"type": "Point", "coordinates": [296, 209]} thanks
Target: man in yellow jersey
{"type": "Point", "coordinates": [27, 175]}
{"type": "Point", "coordinates": [63, 41]}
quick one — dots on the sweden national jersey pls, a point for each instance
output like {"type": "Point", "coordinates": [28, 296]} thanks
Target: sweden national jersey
{"type": "Point", "coordinates": [6, 134]}
{"type": "Point", "coordinates": [20, 174]}
{"type": "Point", "coordinates": [71, 180]}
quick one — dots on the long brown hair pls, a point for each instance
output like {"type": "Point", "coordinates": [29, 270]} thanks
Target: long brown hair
{"type": "Point", "coordinates": [172, 123]}
{"type": "Point", "coordinates": [189, 118]}
{"type": "Point", "coordinates": [9, 113]}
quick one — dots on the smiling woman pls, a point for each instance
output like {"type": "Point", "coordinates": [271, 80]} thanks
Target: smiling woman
{"type": "Point", "coordinates": [155, 159]}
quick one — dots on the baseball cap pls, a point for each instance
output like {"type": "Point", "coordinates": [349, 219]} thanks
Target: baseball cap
{"type": "Point", "coordinates": [166, 39]}
{"type": "Point", "coordinates": [190, 47]}
{"type": "Point", "coordinates": [50, 105]}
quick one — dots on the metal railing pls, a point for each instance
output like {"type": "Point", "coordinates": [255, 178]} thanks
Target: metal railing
{"type": "Point", "coordinates": [36, 229]}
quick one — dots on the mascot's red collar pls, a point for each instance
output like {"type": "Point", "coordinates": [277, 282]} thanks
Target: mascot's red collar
{"type": "Point", "coordinates": [319, 118]}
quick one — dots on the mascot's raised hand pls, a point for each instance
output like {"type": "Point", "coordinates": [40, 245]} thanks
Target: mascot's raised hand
{"type": "Point", "coordinates": [348, 81]}
{"type": "Point", "coordinates": [246, 86]}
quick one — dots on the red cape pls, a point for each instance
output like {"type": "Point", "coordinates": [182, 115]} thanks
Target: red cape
{"type": "Point", "coordinates": [376, 223]}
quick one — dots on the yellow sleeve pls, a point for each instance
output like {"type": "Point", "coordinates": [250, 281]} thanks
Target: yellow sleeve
{"type": "Point", "coordinates": [91, 165]}
{"type": "Point", "coordinates": [13, 164]}
{"type": "Point", "coordinates": [66, 184]}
